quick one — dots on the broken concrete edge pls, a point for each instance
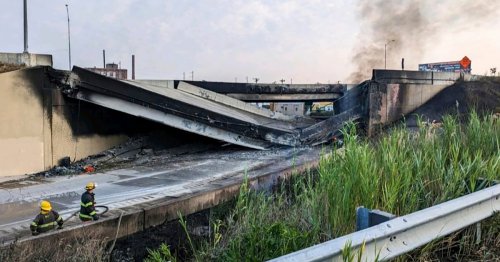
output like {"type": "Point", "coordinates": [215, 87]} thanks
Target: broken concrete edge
{"type": "Point", "coordinates": [149, 214]}
{"type": "Point", "coordinates": [235, 103]}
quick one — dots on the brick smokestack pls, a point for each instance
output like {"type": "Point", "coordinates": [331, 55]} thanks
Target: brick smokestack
{"type": "Point", "coordinates": [133, 67]}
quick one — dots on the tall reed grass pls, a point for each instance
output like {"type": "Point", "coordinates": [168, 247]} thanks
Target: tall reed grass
{"type": "Point", "coordinates": [400, 172]}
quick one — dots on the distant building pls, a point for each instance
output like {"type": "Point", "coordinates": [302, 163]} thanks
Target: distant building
{"type": "Point", "coordinates": [322, 106]}
{"type": "Point", "coordinates": [463, 65]}
{"type": "Point", "coordinates": [111, 70]}
{"type": "Point", "coordinates": [291, 109]}
{"type": "Point", "coordinates": [265, 105]}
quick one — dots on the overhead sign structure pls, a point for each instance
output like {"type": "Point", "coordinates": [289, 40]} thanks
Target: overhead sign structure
{"type": "Point", "coordinates": [463, 65]}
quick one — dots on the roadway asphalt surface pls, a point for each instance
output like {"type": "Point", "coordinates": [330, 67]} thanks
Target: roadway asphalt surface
{"type": "Point", "coordinates": [126, 187]}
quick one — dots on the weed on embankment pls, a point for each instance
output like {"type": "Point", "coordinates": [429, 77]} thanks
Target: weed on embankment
{"type": "Point", "coordinates": [400, 173]}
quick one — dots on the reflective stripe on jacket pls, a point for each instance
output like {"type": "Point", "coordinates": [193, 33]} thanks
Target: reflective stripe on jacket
{"type": "Point", "coordinates": [45, 222]}
{"type": "Point", "coordinates": [87, 208]}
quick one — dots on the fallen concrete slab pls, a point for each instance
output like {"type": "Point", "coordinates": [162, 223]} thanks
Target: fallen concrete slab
{"type": "Point", "coordinates": [171, 120]}
{"type": "Point", "coordinates": [223, 99]}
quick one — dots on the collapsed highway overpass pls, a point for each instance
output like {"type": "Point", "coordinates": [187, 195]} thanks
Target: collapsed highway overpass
{"type": "Point", "coordinates": [192, 108]}
{"type": "Point", "coordinates": [379, 101]}
{"type": "Point", "coordinates": [55, 114]}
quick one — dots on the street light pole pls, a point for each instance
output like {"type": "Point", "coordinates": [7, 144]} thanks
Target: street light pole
{"type": "Point", "coordinates": [385, 56]}
{"type": "Point", "coordinates": [25, 26]}
{"type": "Point", "coordinates": [385, 53]}
{"type": "Point", "coordinates": [69, 39]}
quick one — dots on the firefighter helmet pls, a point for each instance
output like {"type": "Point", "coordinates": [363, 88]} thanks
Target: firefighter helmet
{"type": "Point", "coordinates": [90, 186]}
{"type": "Point", "coordinates": [45, 205]}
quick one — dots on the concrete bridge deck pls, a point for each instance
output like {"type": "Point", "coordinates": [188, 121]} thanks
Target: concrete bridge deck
{"type": "Point", "coordinates": [138, 189]}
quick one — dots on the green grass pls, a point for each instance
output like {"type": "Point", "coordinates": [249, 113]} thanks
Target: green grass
{"type": "Point", "coordinates": [400, 173]}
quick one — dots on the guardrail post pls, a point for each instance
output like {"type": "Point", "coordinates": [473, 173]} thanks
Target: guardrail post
{"type": "Point", "coordinates": [478, 233]}
{"type": "Point", "coordinates": [362, 218]}
{"type": "Point", "coordinates": [366, 218]}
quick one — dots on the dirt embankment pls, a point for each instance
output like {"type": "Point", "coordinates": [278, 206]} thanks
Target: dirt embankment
{"type": "Point", "coordinates": [462, 97]}
{"type": "Point", "coordinates": [9, 67]}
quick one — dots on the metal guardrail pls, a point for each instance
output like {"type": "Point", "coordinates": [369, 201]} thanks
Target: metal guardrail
{"type": "Point", "coordinates": [403, 234]}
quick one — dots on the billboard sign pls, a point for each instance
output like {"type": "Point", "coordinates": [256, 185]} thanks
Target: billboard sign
{"type": "Point", "coordinates": [463, 65]}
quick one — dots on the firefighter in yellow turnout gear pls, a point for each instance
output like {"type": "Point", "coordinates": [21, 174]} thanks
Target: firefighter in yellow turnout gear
{"type": "Point", "coordinates": [46, 220]}
{"type": "Point", "coordinates": [87, 205]}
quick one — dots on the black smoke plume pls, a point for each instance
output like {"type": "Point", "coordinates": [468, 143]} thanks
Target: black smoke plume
{"type": "Point", "coordinates": [407, 28]}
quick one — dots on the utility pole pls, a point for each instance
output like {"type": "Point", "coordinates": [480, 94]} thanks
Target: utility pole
{"type": "Point", "coordinates": [192, 75]}
{"type": "Point", "coordinates": [69, 38]}
{"type": "Point", "coordinates": [25, 26]}
{"type": "Point", "coordinates": [183, 75]}
{"type": "Point", "coordinates": [256, 79]}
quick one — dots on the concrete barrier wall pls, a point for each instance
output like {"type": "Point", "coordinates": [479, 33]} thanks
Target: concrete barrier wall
{"type": "Point", "coordinates": [391, 102]}
{"type": "Point", "coordinates": [36, 130]}
{"type": "Point", "coordinates": [393, 94]}
{"type": "Point", "coordinates": [416, 77]}
{"type": "Point", "coordinates": [24, 124]}
{"type": "Point", "coordinates": [26, 58]}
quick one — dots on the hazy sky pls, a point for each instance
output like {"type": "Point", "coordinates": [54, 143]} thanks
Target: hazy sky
{"type": "Point", "coordinates": [220, 40]}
